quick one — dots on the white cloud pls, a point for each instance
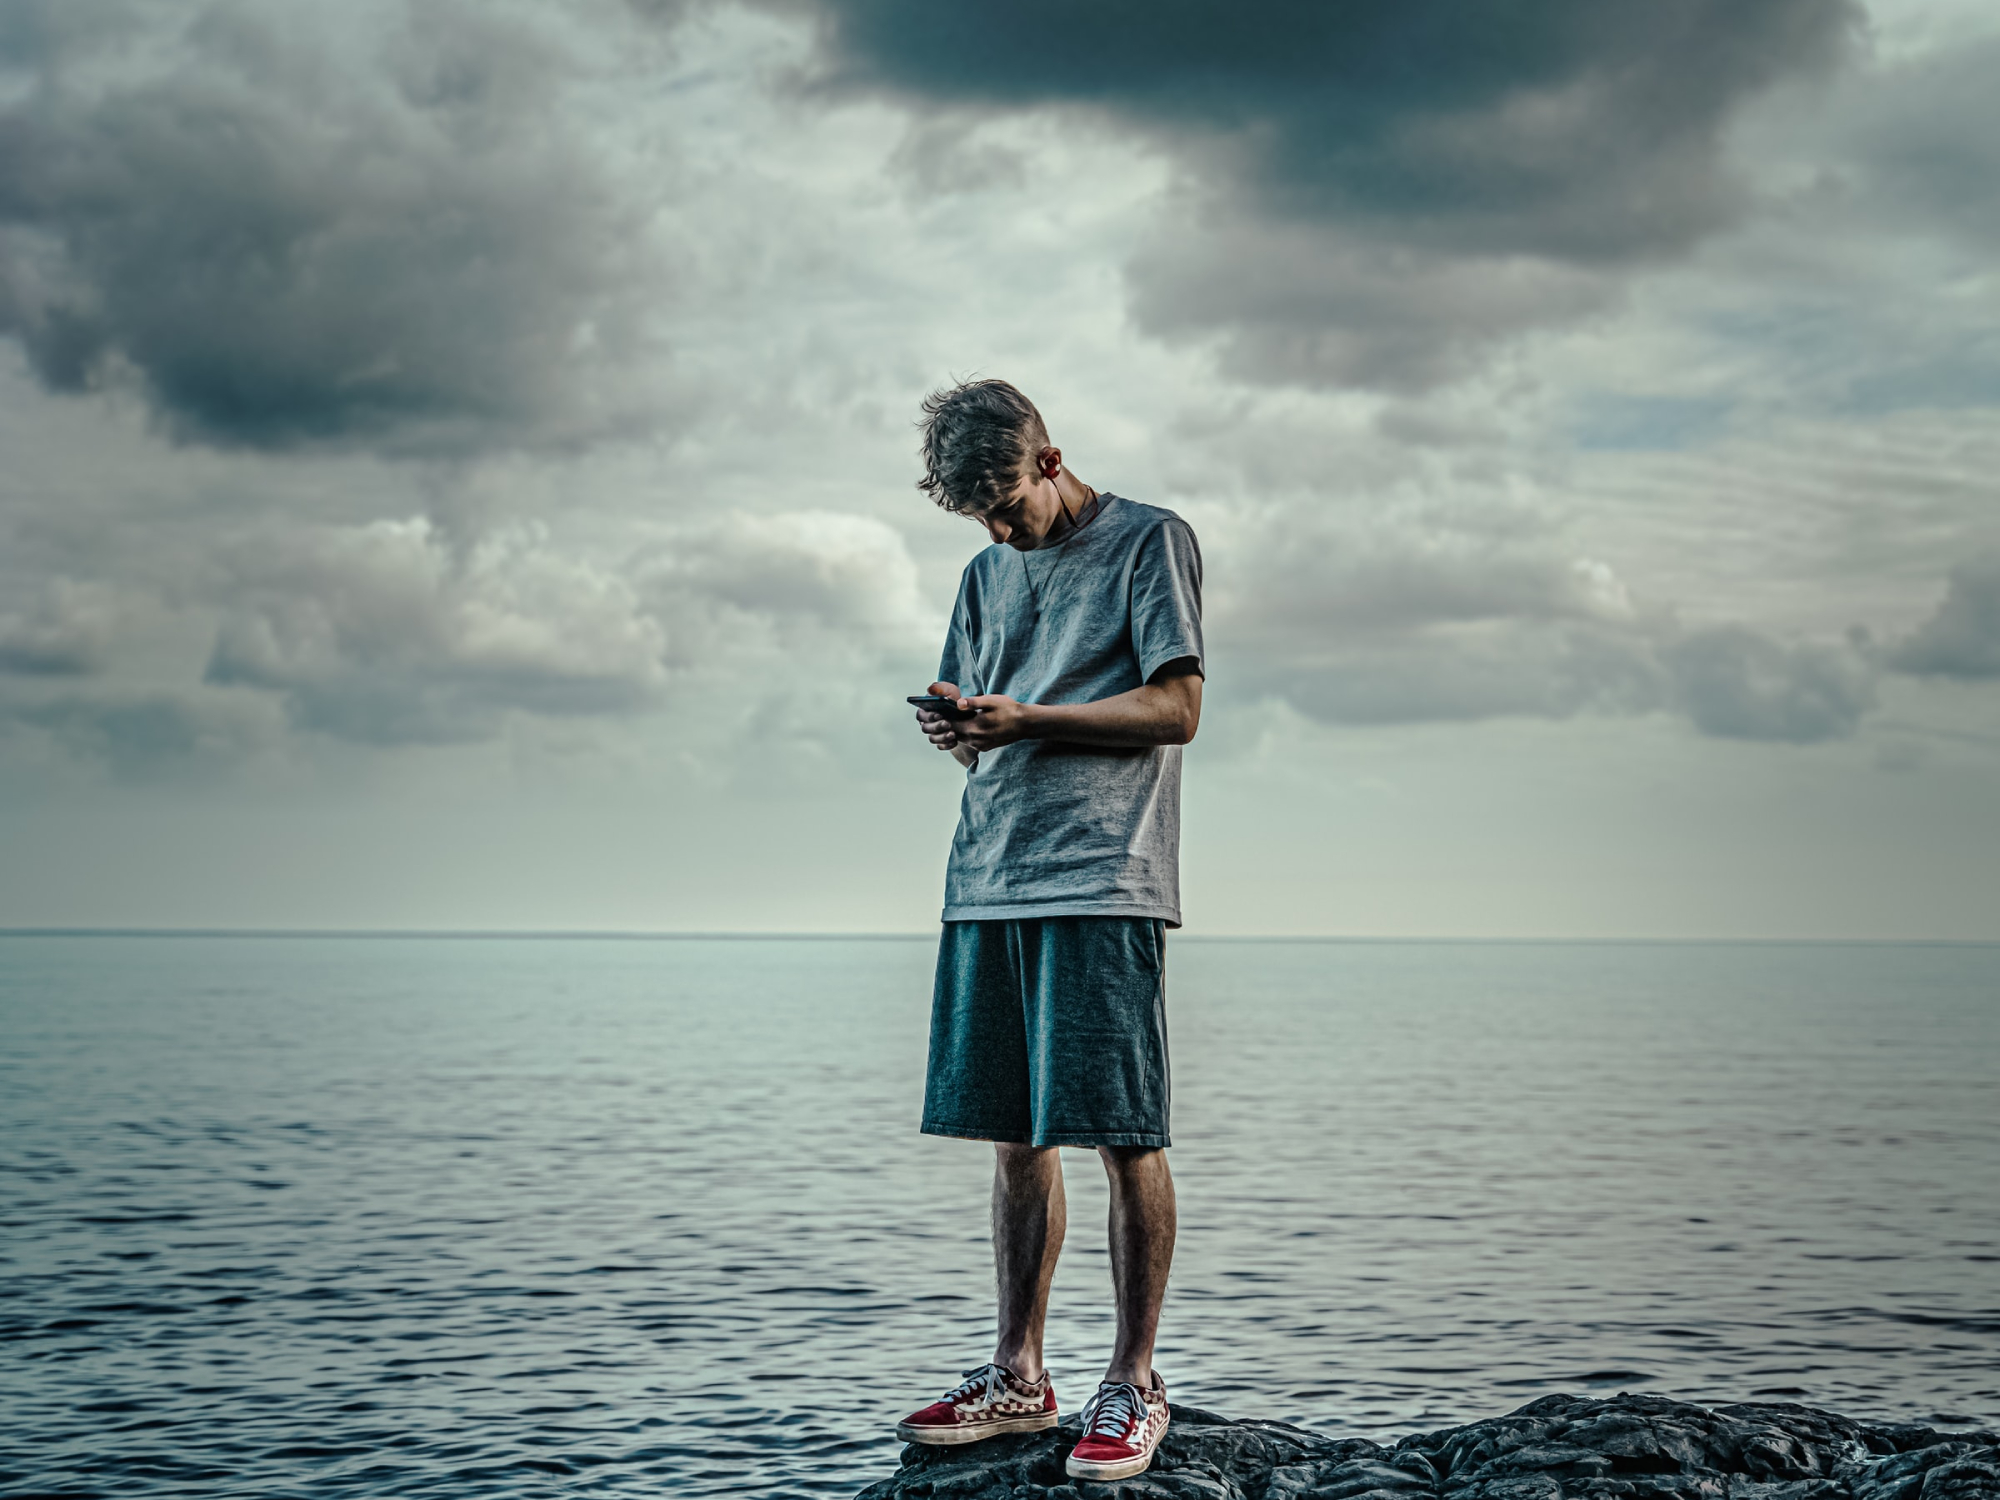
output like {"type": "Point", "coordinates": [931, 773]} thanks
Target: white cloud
{"type": "Point", "coordinates": [1304, 304]}
{"type": "Point", "coordinates": [397, 632]}
{"type": "Point", "coordinates": [800, 580]}
{"type": "Point", "coordinates": [63, 629]}
{"type": "Point", "coordinates": [387, 633]}
{"type": "Point", "coordinates": [1430, 624]}
{"type": "Point", "coordinates": [1962, 637]}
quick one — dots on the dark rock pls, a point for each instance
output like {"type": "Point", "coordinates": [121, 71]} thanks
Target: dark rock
{"type": "Point", "coordinates": [1558, 1448]}
{"type": "Point", "coordinates": [1943, 1470]}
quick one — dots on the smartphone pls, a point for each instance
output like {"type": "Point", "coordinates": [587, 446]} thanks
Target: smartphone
{"type": "Point", "coordinates": [946, 706]}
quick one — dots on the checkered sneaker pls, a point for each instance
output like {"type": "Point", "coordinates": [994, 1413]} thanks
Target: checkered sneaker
{"type": "Point", "coordinates": [989, 1401]}
{"type": "Point", "coordinates": [1122, 1426]}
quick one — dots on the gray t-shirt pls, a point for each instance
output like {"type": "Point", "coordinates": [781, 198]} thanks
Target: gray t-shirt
{"type": "Point", "coordinates": [1050, 829]}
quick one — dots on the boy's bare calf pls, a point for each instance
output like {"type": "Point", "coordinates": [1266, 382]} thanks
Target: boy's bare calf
{"type": "Point", "coordinates": [1030, 1215]}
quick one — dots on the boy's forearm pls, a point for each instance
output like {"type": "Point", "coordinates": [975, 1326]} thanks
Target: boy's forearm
{"type": "Point", "coordinates": [1155, 714]}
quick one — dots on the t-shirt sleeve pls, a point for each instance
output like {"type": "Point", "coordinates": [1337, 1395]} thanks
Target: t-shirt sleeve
{"type": "Point", "coordinates": [957, 663]}
{"type": "Point", "coordinates": [1166, 598]}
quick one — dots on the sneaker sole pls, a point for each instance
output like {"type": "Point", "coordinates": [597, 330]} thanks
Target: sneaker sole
{"type": "Point", "coordinates": [1083, 1468]}
{"type": "Point", "coordinates": [947, 1436]}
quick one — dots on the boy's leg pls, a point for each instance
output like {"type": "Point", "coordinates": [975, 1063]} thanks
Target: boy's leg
{"type": "Point", "coordinates": [1142, 1251]}
{"type": "Point", "coordinates": [1028, 1221]}
{"type": "Point", "coordinates": [977, 1085]}
{"type": "Point", "coordinates": [1029, 1216]}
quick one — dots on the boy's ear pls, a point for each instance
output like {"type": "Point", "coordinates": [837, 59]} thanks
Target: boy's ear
{"type": "Point", "coordinates": [1051, 462]}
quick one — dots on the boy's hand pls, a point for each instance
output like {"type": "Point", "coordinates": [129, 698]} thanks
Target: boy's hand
{"type": "Point", "coordinates": [942, 732]}
{"type": "Point", "coordinates": [1000, 720]}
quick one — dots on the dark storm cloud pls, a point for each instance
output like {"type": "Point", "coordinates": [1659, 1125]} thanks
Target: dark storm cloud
{"type": "Point", "coordinates": [1962, 639]}
{"type": "Point", "coordinates": [327, 226]}
{"type": "Point", "coordinates": [1736, 683]}
{"type": "Point", "coordinates": [1564, 127]}
{"type": "Point", "coordinates": [1387, 185]}
{"type": "Point", "coordinates": [142, 735]}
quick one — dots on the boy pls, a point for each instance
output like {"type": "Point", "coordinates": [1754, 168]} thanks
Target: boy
{"type": "Point", "coordinates": [1074, 666]}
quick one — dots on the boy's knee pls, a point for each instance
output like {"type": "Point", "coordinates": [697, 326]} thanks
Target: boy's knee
{"type": "Point", "coordinates": [1016, 1159]}
{"type": "Point", "coordinates": [1132, 1158]}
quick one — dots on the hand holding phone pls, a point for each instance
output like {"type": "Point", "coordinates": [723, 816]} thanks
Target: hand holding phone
{"type": "Point", "coordinates": [946, 707]}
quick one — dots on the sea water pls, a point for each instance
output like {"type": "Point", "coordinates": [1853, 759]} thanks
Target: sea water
{"type": "Point", "coordinates": [445, 1217]}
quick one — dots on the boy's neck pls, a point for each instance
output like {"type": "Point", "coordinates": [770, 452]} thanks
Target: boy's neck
{"type": "Point", "coordinates": [1076, 498]}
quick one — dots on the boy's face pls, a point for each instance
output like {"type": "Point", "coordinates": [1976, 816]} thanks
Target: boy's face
{"type": "Point", "coordinates": [1024, 517]}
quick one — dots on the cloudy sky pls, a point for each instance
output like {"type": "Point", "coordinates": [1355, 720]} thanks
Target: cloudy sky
{"type": "Point", "coordinates": [459, 457]}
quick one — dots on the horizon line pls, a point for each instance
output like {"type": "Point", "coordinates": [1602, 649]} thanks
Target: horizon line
{"type": "Point", "coordinates": [762, 935]}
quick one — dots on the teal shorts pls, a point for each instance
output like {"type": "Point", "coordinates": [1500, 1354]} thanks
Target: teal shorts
{"type": "Point", "coordinates": [1050, 1031]}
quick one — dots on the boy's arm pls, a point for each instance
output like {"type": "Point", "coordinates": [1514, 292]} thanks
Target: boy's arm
{"type": "Point", "coordinates": [1165, 711]}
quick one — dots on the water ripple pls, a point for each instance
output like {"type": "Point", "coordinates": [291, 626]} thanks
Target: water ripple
{"type": "Point", "coordinates": [457, 1218]}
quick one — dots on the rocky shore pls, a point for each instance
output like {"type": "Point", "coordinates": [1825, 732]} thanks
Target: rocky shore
{"type": "Point", "coordinates": [1557, 1448]}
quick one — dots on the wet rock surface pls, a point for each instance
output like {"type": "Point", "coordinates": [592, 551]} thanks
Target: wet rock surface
{"type": "Point", "coordinates": [1558, 1448]}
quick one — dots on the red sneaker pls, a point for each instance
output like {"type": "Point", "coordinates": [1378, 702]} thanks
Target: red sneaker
{"type": "Point", "coordinates": [1122, 1426]}
{"type": "Point", "coordinates": [989, 1401]}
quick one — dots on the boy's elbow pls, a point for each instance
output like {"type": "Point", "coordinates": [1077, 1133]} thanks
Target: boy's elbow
{"type": "Point", "coordinates": [1190, 707]}
{"type": "Point", "coordinates": [1177, 701]}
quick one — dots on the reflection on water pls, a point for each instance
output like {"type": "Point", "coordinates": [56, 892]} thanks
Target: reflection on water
{"type": "Point", "coordinates": [453, 1217]}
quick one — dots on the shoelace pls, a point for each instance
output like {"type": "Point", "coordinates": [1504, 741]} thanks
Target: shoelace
{"type": "Point", "coordinates": [1114, 1411]}
{"type": "Point", "coordinates": [990, 1380]}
